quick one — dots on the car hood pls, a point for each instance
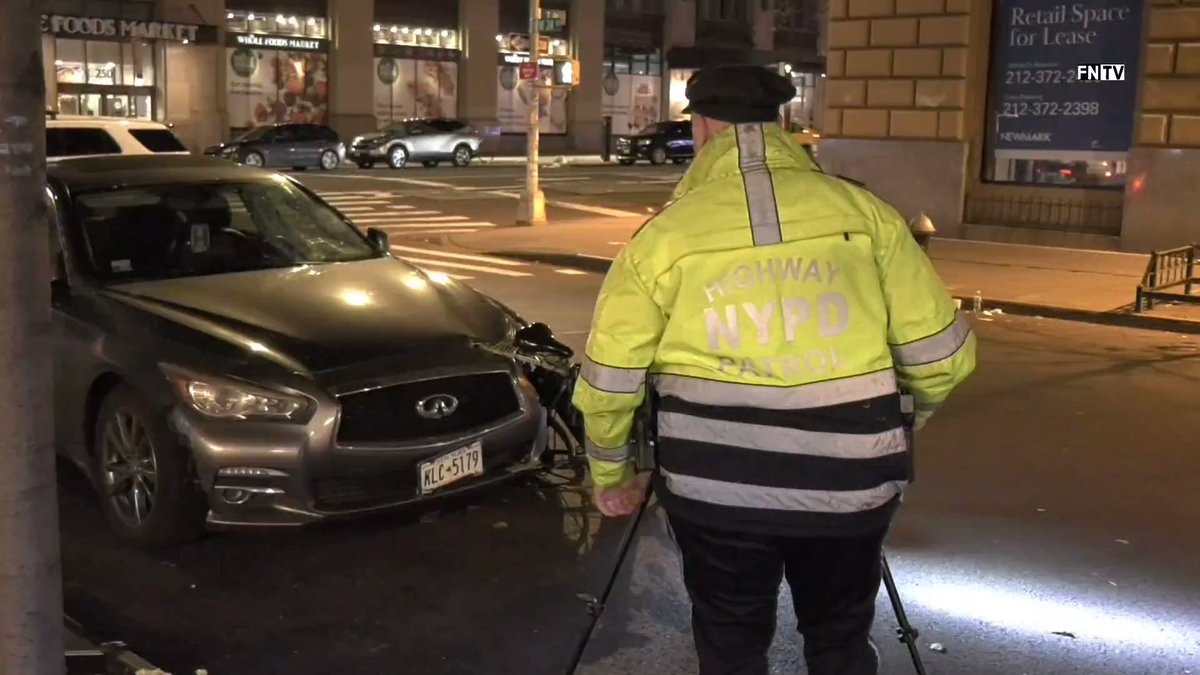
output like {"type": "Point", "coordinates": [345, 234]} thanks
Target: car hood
{"type": "Point", "coordinates": [326, 317]}
{"type": "Point", "coordinates": [373, 136]}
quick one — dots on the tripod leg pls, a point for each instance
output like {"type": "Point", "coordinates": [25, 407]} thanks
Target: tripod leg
{"type": "Point", "coordinates": [908, 634]}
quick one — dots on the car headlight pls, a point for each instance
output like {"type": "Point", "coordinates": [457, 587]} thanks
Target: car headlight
{"type": "Point", "coordinates": [645, 141]}
{"type": "Point", "coordinates": [231, 399]}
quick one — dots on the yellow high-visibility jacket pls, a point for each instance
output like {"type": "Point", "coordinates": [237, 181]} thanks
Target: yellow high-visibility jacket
{"type": "Point", "coordinates": [775, 311]}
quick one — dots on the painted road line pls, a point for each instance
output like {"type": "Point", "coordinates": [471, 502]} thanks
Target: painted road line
{"type": "Point", "coordinates": [430, 218]}
{"type": "Point", "coordinates": [425, 226]}
{"type": "Point", "coordinates": [461, 256]}
{"type": "Point", "coordinates": [370, 202]}
{"type": "Point", "coordinates": [382, 216]}
{"type": "Point", "coordinates": [422, 262]}
{"type": "Point", "coordinates": [588, 208]}
{"type": "Point", "coordinates": [441, 231]}
{"type": "Point", "coordinates": [394, 179]}
{"type": "Point", "coordinates": [570, 272]}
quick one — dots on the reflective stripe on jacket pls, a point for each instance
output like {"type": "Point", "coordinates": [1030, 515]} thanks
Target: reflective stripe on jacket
{"type": "Point", "coordinates": [775, 310]}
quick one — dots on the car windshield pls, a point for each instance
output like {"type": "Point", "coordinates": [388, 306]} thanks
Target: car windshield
{"type": "Point", "coordinates": [255, 134]}
{"type": "Point", "coordinates": [195, 229]}
{"type": "Point", "coordinates": [659, 128]}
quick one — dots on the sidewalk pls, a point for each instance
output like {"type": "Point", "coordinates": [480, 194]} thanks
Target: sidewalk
{"type": "Point", "coordinates": [1074, 284]}
{"type": "Point", "coordinates": [85, 655]}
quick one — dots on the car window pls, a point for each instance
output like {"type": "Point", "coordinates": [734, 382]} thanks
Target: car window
{"type": "Point", "coordinates": [284, 134]}
{"type": "Point", "coordinates": [158, 140]}
{"type": "Point", "coordinates": [416, 128]}
{"type": "Point", "coordinates": [306, 132]}
{"type": "Point", "coordinates": [195, 229]}
{"type": "Point", "coordinates": [447, 126]}
{"type": "Point", "coordinates": [258, 134]}
{"type": "Point", "coordinates": [654, 129]}
{"type": "Point", "coordinates": [327, 134]}
{"type": "Point", "coordinates": [67, 142]}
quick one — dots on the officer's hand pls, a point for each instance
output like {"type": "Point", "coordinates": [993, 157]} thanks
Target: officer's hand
{"type": "Point", "coordinates": [620, 500]}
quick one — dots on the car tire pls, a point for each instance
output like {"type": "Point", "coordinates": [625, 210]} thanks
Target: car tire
{"type": "Point", "coordinates": [397, 157]}
{"type": "Point", "coordinates": [658, 156]}
{"type": "Point", "coordinates": [253, 158]}
{"type": "Point", "coordinates": [626, 162]}
{"type": "Point", "coordinates": [329, 160]}
{"type": "Point", "coordinates": [430, 164]}
{"type": "Point", "coordinates": [171, 508]}
{"type": "Point", "coordinates": [462, 156]}
{"type": "Point", "coordinates": [365, 164]}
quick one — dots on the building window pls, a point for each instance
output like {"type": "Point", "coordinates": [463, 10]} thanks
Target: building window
{"type": "Point", "coordinates": [276, 24]}
{"type": "Point", "coordinates": [737, 11]}
{"type": "Point", "coordinates": [104, 63]}
{"type": "Point", "coordinates": [416, 36]}
{"type": "Point", "coordinates": [796, 15]}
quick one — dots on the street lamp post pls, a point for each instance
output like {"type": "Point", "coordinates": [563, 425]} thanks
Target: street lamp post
{"type": "Point", "coordinates": [531, 208]}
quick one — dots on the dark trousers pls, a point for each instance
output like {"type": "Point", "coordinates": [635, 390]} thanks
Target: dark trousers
{"type": "Point", "coordinates": [733, 580]}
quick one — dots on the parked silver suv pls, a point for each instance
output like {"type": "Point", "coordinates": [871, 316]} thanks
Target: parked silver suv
{"type": "Point", "coordinates": [428, 141]}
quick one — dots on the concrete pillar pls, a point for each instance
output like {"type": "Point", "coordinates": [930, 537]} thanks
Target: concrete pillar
{"type": "Point", "coordinates": [585, 106]}
{"type": "Point", "coordinates": [479, 23]}
{"type": "Point", "coordinates": [351, 67]}
{"type": "Point", "coordinates": [680, 25]}
{"type": "Point", "coordinates": [762, 20]}
{"type": "Point", "coordinates": [897, 96]}
{"type": "Point", "coordinates": [192, 93]}
{"type": "Point", "coordinates": [1161, 199]}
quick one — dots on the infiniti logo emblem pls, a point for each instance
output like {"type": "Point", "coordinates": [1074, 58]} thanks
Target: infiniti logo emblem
{"type": "Point", "coordinates": [437, 406]}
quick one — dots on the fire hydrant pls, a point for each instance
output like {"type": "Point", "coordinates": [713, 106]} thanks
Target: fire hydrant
{"type": "Point", "coordinates": [922, 230]}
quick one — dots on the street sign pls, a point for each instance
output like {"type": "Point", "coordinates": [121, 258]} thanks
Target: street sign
{"type": "Point", "coordinates": [528, 71]}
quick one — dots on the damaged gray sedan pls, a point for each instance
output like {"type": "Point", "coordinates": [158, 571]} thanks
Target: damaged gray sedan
{"type": "Point", "coordinates": [231, 351]}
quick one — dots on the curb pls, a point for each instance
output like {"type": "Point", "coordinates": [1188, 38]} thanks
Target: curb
{"type": "Point", "coordinates": [600, 265]}
{"type": "Point", "coordinates": [86, 655]}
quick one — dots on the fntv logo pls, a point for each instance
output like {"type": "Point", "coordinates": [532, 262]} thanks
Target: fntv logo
{"type": "Point", "coordinates": [1100, 72]}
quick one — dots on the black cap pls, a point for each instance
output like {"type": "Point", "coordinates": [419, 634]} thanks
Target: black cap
{"type": "Point", "coordinates": [738, 94]}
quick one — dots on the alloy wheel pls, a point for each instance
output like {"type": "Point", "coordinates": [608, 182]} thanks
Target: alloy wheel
{"type": "Point", "coordinates": [398, 157]}
{"type": "Point", "coordinates": [253, 159]}
{"type": "Point", "coordinates": [462, 156]}
{"type": "Point", "coordinates": [129, 468]}
{"type": "Point", "coordinates": [329, 160]}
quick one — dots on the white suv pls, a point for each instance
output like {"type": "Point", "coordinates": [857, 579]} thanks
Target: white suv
{"type": "Point", "coordinates": [81, 136]}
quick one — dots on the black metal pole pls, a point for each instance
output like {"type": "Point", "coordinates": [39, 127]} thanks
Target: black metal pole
{"type": "Point", "coordinates": [906, 633]}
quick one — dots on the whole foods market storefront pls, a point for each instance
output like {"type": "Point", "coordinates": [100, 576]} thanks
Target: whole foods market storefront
{"type": "Point", "coordinates": [112, 67]}
{"type": "Point", "coordinates": [277, 69]}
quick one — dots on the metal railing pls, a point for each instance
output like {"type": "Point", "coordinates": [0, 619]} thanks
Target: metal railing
{"type": "Point", "coordinates": [1168, 270]}
{"type": "Point", "coordinates": [1060, 214]}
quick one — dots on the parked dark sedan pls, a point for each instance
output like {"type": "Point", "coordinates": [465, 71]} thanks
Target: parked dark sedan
{"type": "Point", "coordinates": [657, 143]}
{"type": "Point", "coordinates": [296, 145]}
{"type": "Point", "coordinates": [230, 349]}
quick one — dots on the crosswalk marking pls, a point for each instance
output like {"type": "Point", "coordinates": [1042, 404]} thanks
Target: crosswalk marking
{"type": "Point", "coordinates": [458, 265]}
{"type": "Point", "coordinates": [425, 263]}
{"type": "Point", "coordinates": [460, 256]}
{"type": "Point", "coordinates": [385, 210]}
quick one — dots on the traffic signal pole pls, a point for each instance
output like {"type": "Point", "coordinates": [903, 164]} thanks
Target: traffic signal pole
{"type": "Point", "coordinates": [31, 619]}
{"type": "Point", "coordinates": [531, 208]}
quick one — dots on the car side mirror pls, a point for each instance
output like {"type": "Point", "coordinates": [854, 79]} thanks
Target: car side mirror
{"type": "Point", "coordinates": [379, 240]}
{"type": "Point", "coordinates": [539, 337]}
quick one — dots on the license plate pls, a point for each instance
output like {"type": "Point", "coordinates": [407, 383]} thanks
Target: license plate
{"type": "Point", "coordinates": [451, 467]}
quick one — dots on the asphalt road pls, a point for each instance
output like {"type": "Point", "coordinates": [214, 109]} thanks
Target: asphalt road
{"type": "Point", "coordinates": [1052, 529]}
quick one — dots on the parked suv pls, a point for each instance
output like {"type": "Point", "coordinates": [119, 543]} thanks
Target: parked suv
{"type": "Point", "coordinates": [82, 136]}
{"type": "Point", "coordinates": [296, 145]}
{"type": "Point", "coordinates": [657, 143]}
{"type": "Point", "coordinates": [428, 141]}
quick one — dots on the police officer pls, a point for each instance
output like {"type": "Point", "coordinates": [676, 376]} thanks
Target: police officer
{"type": "Point", "coordinates": [777, 314]}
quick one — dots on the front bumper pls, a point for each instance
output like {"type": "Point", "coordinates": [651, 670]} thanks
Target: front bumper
{"type": "Point", "coordinates": [292, 474]}
{"type": "Point", "coordinates": [371, 152]}
{"type": "Point", "coordinates": [633, 151]}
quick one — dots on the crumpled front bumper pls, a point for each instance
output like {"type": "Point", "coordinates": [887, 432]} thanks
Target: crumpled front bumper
{"type": "Point", "coordinates": [269, 474]}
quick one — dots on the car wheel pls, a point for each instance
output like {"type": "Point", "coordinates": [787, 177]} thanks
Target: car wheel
{"type": "Point", "coordinates": [658, 156]}
{"type": "Point", "coordinates": [626, 162]}
{"type": "Point", "coordinates": [329, 160]}
{"type": "Point", "coordinates": [430, 164]}
{"type": "Point", "coordinates": [365, 164]}
{"type": "Point", "coordinates": [397, 157]}
{"type": "Point", "coordinates": [147, 489]}
{"type": "Point", "coordinates": [253, 159]}
{"type": "Point", "coordinates": [462, 156]}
